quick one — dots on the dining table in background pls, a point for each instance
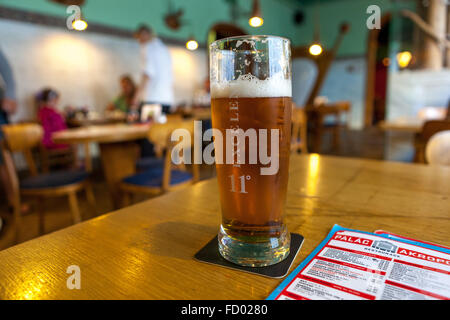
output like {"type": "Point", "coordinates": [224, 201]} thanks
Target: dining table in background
{"type": "Point", "coordinates": [400, 137]}
{"type": "Point", "coordinates": [413, 132]}
{"type": "Point", "coordinates": [80, 119]}
{"type": "Point", "coordinates": [118, 149]}
{"type": "Point", "coordinates": [195, 112]}
{"type": "Point", "coordinates": [146, 251]}
{"type": "Point", "coordinates": [316, 118]}
{"type": "Point", "coordinates": [408, 125]}
{"type": "Point", "coordinates": [76, 122]}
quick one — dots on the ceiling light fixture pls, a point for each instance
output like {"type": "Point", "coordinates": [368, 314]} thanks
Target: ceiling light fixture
{"type": "Point", "coordinates": [192, 44]}
{"type": "Point", "coordinates": [256, 19]}
{"type": "Point", "coordinates": [315, 49]}
{"type": "Point", "coordinates": [79, 24]}
{"type": "Point", "coordinates": [404, 58]}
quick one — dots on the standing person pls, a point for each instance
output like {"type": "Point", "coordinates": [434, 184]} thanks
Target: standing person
{"type": "Point", "coordinates": [8, 106]}
{"type": "Point", "coordinates": [156, 85]}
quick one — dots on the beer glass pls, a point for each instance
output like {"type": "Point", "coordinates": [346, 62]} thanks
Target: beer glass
{"type": "Point", "coordinates": [251, 107]}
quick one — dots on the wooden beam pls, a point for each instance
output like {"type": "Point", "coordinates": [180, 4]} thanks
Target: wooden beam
{"type": "Point", "coordinates": [434, 53]}
{"type": "Point", "coordinates": [60, 22]}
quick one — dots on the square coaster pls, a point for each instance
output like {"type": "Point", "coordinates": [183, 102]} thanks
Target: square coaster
{"type": "Point", "coordinates": [210, 254]}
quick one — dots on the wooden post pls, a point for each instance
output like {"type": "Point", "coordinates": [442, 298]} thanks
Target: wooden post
{"type": "Point", "coordinates": [433, 51]}
{"type": "Point", "coordinates": [448, 48]}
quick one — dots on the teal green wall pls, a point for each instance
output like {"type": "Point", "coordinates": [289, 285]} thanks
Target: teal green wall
{"type": "Point", "coordinates": [333, 12]}
{"type": "Point", "coordinates": [202, 14]}
{"type": "Point", "coordinates": [278, 17]}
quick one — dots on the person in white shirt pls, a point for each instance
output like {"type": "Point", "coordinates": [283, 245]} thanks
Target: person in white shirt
{"type": "Point", "coordinates": [156, 85]}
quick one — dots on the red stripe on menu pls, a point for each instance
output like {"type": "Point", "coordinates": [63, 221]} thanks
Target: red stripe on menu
{"type": "Point", "coordinates": [338, 287]}
{"type": "Point", "coordinates": [422, 267]}
{"type": "Point", "coordinates": [427, 293]}
{"type": "Point", "coordinates": [292, 295]}
{"type": "Point", "coordinates": [352, 265]}
{"type": "Point", "coordinates": [415, 240]}
{"type": "Point", "coordinates": [361, 252]}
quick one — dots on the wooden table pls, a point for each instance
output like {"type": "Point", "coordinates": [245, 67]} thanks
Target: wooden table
{"type": "Point", "coordinates": [118, 151]}
{"type": "Point", "coordinates": [146, 251]}
{"type": "Point", "coordinates": [75, 123]}
{"type": "Point", "coordinates": [402, 125]}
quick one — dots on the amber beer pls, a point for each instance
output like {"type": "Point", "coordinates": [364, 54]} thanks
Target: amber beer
{"type": "Point", "coordinates": [251, 92]}
{"type": "Point", "coordinates": [254, 206]}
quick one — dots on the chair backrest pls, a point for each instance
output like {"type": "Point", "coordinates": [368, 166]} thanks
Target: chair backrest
{"type": "Point", "coordinates": [160, 136]}
{"type": "Point", "coordinates": [448, 111]}
{"type": "Point", "coordinates": [174, 117]}
{"type": "Point", "coordinates": [432, 127]}
{"type": "Point", "coordinates": [299, 129]}
{"type": "Point", "coordinates": [344, 108]}
{"type": "Point", "coordinates": [159, 133]}
{"type": "Point", "coordinates": [23, 138]}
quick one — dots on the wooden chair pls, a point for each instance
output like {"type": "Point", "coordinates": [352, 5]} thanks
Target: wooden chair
{"type": "Point", "coordinates": [428, 130]}
{"type": "Point", "coordinates": [149, 162]}
{"type": "Point", "coordinates": [66, 158]}
{"type": "Point", "coordinates": [317, 115]}
{"type": "Point", "coordinates": [159, 180]}
{"type": "Point", "coordinates": [299, 141]}
{"type": "Point", "coordinates": [62, 158]}
{"type": "Point", "coordinates": [23, 138]}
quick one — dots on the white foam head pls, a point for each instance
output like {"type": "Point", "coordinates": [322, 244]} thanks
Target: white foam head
{"type": "Point", "coordinates": [248, 86]}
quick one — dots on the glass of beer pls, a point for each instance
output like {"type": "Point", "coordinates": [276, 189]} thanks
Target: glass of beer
{"type": "Point", "coordinates": [250, 78]}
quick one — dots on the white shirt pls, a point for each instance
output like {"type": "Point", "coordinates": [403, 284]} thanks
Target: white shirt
{"type": "Point", "coordinates": [156, 63]}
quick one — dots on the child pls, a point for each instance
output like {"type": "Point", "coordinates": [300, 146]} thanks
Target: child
{"type": "Point", "coordinates": [50, 118]}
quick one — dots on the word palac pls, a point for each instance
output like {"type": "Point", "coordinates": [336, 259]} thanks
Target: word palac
{"type": "Point", "coordinates": [235, 147]}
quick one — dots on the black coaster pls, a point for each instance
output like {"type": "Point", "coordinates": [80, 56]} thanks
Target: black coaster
{"type": "Point", "coordinates": [210, 254]}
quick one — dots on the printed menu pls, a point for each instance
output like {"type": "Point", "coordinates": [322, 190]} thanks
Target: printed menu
{"type": "Point", "coordinates": [353, 265]}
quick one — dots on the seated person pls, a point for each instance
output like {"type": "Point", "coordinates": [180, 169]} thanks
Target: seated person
{"type": "Point", "coordinates": [202, 96]}
{"type": "Point", "coordinates": [124, 100]}
{"type": "Point", "coordinates": [50, 118]}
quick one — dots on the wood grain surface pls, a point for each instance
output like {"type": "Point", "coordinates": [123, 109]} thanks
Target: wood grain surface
{"type": "Point", "coordinates": [146, 251]}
